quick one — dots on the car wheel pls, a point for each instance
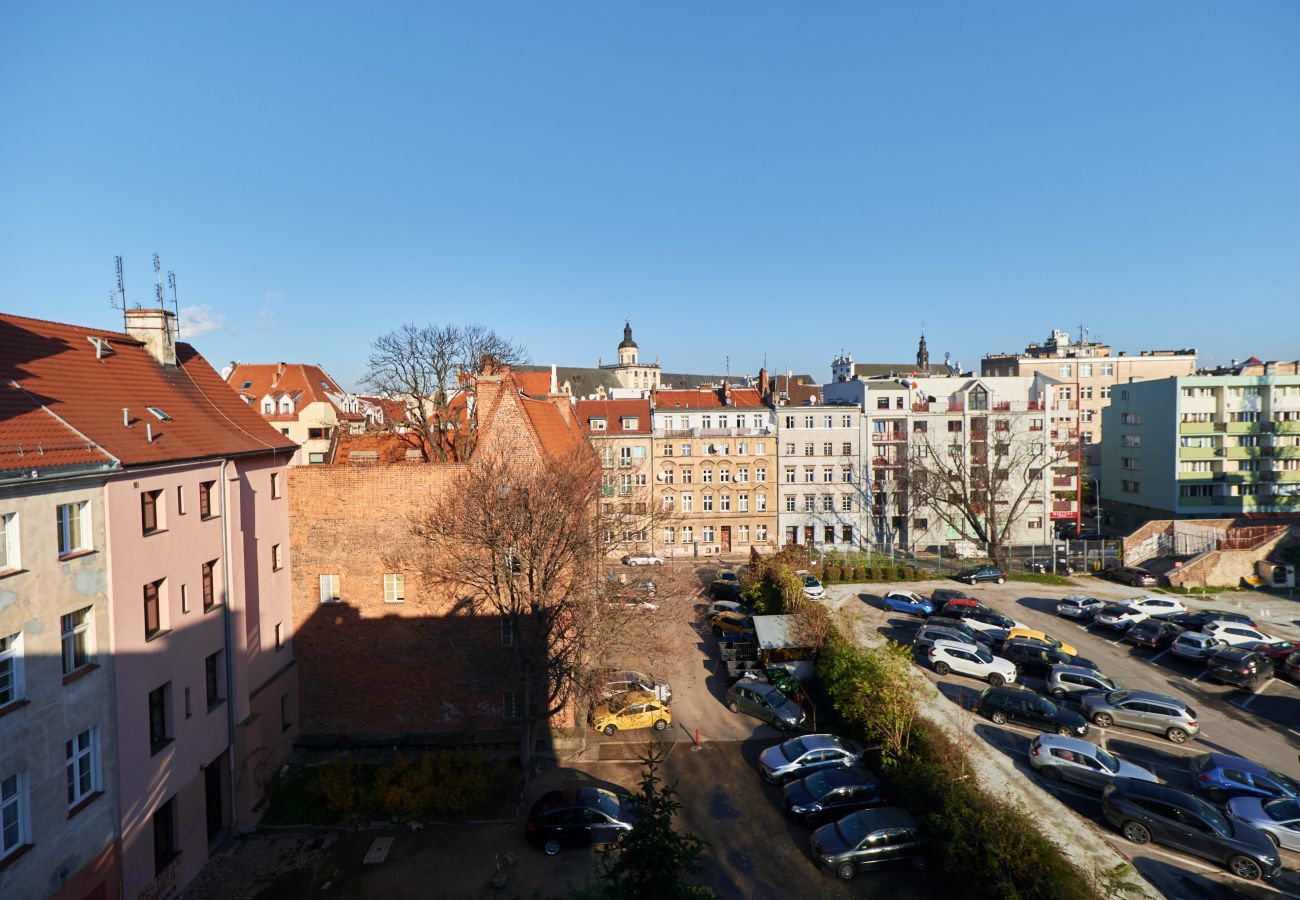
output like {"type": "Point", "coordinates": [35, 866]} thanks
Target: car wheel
{"type": "Point", "coordinates": [999, 718]}
{"type": "Point", "coordinates": [941, 668]}
{"type": "Point", "coordinates": [551, 847]}
{"type": "Point", "coordinates": [1058, 694]}
{"type": "Point", "coordinates": [1064, 730]}
{"type": "Point", "coordinates": [846, 871]}
{"type": "Point", "coordinates": [1177, 735]}
{"type": "Point", "coordinates": [660, 725]}
{"type": "Point", "coordinates": [996, 680]}
{"type": "Point", "coordinates": [1137, 833]}
{"type": "Point", "coordinates": [609, 730]}
{"type": "Point", "coordinates": [733, 706]}
{"type": "Point", "coordinates": [1245, 868]}
{"type": "Point", "coordinates": [1002, 581]}
{"type": "Point", "coordinates": [1101, 720]}
{"type": "Point", "coordinates": [1051, 773]}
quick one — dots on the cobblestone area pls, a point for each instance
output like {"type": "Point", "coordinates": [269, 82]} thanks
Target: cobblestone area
{"type": "Point", "coordinates": [248, 865]}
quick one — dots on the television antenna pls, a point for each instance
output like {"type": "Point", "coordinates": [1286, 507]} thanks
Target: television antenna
{"type": "Point", "coordinates": [117, 298]}
{"type": "Point", "coordinates": [171, 284]}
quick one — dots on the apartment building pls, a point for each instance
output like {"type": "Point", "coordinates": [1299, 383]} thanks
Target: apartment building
{"type": "Point", "coordinates": [1088, 373]}
{"type": "Point", "coordinates": [821, 491]}
{"type": "Point", "coordinates": [303, 403]}
{"type": "Point", "coordinates": [621, 432]}
{"type": "Point", "coordinates": [715, 463]}
{"type": "Point", "coordinates": [194, 566]}
{"type": "Point", "coordinates": [1203, 446]}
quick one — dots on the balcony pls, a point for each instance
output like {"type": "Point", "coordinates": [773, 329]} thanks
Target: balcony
{"type": "Point", "coordinates": [956, 406]}
{"type": "Point", "coordinates": [1286, 476]}
{"type": "Point", "coordinates": [920, 407]}
{"type": "Point", "coordinates": [1247, 427]}
{"type": "Point", "coordinates": [1063, 506]}
{"type": "Point", "coordinates": [1035, 405]}
{"type": "Point", "coordinates": [1198, 452]}
{"type": "Point", "coordinates": [1002, 406]}
{"type": "Point", "coordinates": [1240, 452]}
{"type": "Point", "coordinates": [1198, 476]}
{"type": "Point", "coordinates": [1291, 427]}
{"type": "Point", "coordinates": [885, 461]}
{"type": "Point", "coordinates": [1198, 427]}
{"type": "Point", "coordinates": [1063, 482]}
{"type": "Point", "coordinates": [878, 437]}
{"type": "Point", "coordinates": [1066, 404]}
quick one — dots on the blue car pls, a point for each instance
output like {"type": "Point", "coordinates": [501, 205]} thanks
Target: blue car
{"type": "Point", "coordinates": [1219, 776]}
{"type": "Point", "coordinates": [907, 602]}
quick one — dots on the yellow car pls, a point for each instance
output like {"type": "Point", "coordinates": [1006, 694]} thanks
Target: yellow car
{"type": "Point", "coordinates": [1067, 649]}
{"type": "Point", "coordinates": [732, 622]}
{"type": "Point", "coordinates": [638, 709]}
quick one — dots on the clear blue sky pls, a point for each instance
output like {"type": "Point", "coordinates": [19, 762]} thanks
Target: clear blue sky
{"type": "Point", "coordinates": [749, 178]}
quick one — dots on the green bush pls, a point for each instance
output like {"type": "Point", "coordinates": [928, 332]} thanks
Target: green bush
{"type": "Point", "coordinates": [839, 574]}
{"type": "Point", "coordinates": [900, 573]}
{"type": "Point", "coordinates": [876, 574]}
{"type": "Point", "coordinates": [909, 573]}
{"type": "Point", "coordinates": [337, 786]}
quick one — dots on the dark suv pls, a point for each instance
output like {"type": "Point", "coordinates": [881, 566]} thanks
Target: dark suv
{"type": "Point", "coordinates": [578, 817]}
{"type": "Point", "coordinates": [1238, 666]}
{"type": "Point", "coordinates": [1195, 621]}
{"type": "Point", "coordinates": [1144, 811]}
{"type": "Point", "coordinates": [1035, 657]}
{"type": "Point", "coordinates": [1005, 704]}
{"type": "Point", "coordinates": [981, 573]}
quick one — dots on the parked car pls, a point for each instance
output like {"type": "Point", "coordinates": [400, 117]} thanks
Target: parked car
{"type": "Point", "coordinates": [1022, 632]}
{"type": "Point", "coordinates": [628, 712]}
{"type": "Point", "coordinates": [867, 840]}
{"type": "Point", "coordinates": [1291, 667]}
{"type": "Point", "coordinates": [1219, 776]}
{"type": "Point", "coordinates": [1007, 704]}
{"type": "Point", "coordinates": [728, 577]}
{"type": "Point", "coordinates": [907, 602]}
{"type": "Point", "coordinates": [995, 624]}
{"type": "Point", "coordinates": [1195, 621]}
{"type": "Point", "coordinates": [959, 606]}
{"type": "Point", "coordinates": [812, 588]}
{"type": "Point", "coordinates": [928, 634]}
{"type": "Point", "coordinates": [719, 606]}
{"type": "Point", "coordinates": [1069, 682]}
{"type": "Point", "coordinates": [1036, 658]}
{"type": "Point", "coordinates": [1279, 819]}
{"type": "Point", "coordinates": [1236, 634]}
{"type": "Point", "coordinates": [976, 574]}
{"type": "Point", "coordinates": [1132, 575]}
{"type": "Point", "coordinates": [732, 622]}
{"type": "Point", "coordinates": [1118, 616]}
{"type": "Point", "coordinates": [725, 590]}
{"type": "Point", "coordinates": [831, 794]}
{"type": "Point", "coordinates": [1142, 711]}
{"type": "Point", "coordinates": [1152, 633]}
{"type": "Point", "coordinates": [625, 682]}
{"type": "Point", "coordinates": [1276, 652]}
{"type": "Point", "coordinates": [1045, 566]}
{"type": "Point", "coordinates": [1077, 606]}
{"type": "Point", "coordinates": [1157, 607]}
{"type": "Point", "coordinates": [1196, 646]}
{"type": "Point", "coordinates": [642, 559]}
{"type": "Point", "coordinates": [963, 627]}
{"type": "Point", "coordinates": [949, 656]}
{"type": "Point", "coordinates": [766, 702]}
{"type": "Point", "coordinates": [940, 596]}
{"type": "Point", "coordinates": [1059, 758]}
{"type": "Point", "coordinates": [1145, 812]}
{"type": "Point", "coordinates": [1238, 666]}
{"type": "Point", "coordinates": [579, 817]}
{"type": "Point", "coordinates": [801, 756]}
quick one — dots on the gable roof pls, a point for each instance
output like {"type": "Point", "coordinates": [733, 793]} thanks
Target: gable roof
{"type": "Point", "coordinates": [613, 411]}
{"type": "Point", "coordinates": [557, 431]}
{"type": "Point", "coordinates": [304, 383]}
{"type": "Point", "coordinates": [32, 437]}
{"type": "Point", "coordinates": [707, 398]}
{"type": "Point", "coordinates": [584, 382]}
{"type": "Point", "coordinates": [534, 384]}
{"type": "Point", "coordinates": [56, 365]}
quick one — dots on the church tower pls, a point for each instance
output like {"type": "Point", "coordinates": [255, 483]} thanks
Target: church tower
{"type": "Point", "coordinates": [923, 356]}
{"type": "Point", "coordinates": [627, 349]}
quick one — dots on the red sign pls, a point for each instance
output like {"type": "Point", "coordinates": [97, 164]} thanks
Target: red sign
{"type": "Point", "coordinates": [1064, 515]}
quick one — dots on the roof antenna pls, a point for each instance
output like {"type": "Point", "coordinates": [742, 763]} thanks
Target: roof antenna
{"type": "Point", "coordinates": [171, 283]}
{"type": "Point", "coordinates": [157, 274]}
{"type": "Point", "coordinates": [121, 290]}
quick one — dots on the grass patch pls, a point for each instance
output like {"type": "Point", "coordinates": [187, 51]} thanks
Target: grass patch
{"type": "Point", "coordinates": [1040, 578]}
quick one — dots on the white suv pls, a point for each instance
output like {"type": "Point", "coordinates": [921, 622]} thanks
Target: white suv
{"type": "Point", "coordinates": [950, 656]}
{"type": "Point", "coordinates": [1236, 634]}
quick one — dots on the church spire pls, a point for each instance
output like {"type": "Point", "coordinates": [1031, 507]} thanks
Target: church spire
{"type": "Point", "coordinates": [923, 355]}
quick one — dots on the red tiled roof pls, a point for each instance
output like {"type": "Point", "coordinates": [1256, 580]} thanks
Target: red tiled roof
{"type": "Point", "coordinates": [303, 383]}
{"type": "Point", "coordinates": [708, 398]}
{"type": "Point", "coordinates": [32, 437]}
{"type": "Point", "coordinates": [613, 411]}
{"type": "Point", "coordinates": [380, 448]}
{"type": "Point", "coordinates": [534, 384]}
{"type": "Point", "coordinates": [557, 433]}
{"type": "Point", "coordinates": [394, 410]}
{"type": "Point", "coordinates": [56, 365]}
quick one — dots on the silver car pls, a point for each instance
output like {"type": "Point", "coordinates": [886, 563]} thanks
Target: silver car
{"type": "Point", "coordinates": [1196, 646]}
{"type": "Point", "coordinates": [1278, 818]}
{"type": "Point", "coordinates": [1059, 758]}
{"type": "Point", "coordinates": [802, 756]}
{"type": "Point", "coordinates": [1071, 682]}
{"type": "Point", "coordinates": [1143, 711]}
{"type": "Point", "coordinates": [1077, 606]}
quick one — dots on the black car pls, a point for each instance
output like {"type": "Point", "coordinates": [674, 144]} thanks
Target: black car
{"type": "Point", "coordinates": [1132, 575]}
{"type": "Point", "coordinates": [1236, 665]}
{"type": "Point", "coordinates": [940, 596]}
{"type": "Point", "coordinates": [1145, 811]}
{"type": "Point", "coordinates": [1035, 657]}
{"type": "Point", "coordinates": [1195, 621]}
{"type": "Point", "coordinates": [1008, 704]}
{"type": "Point", "coordinates": [867, 839]}
{"type": "Point", "coordinates": [981, 573]}
{"type": "Point", "coordinates": [954, 624]}
{"type": "Point", "coordinates": [831, 794]}
{"type": "Point", "coordinates": [579, 817]}
{"type": "Point", "coordinates": [1152, 633]}
{"type": "Point", "coordinates": [725, 590]}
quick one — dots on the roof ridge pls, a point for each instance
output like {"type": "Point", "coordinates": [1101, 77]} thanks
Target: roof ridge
{"type": "Point", "coordinates": [120, 335]}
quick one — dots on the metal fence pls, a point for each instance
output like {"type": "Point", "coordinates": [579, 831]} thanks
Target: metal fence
{"type": "Point", "coordinates": [1057, 558]}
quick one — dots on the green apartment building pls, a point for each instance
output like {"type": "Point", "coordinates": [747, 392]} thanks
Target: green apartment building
{"type": "Point", "coordinates": [1202, 446]}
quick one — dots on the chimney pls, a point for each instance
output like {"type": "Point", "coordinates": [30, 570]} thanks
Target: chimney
{"type": "Point", "coordinates": [279, 373]}
{"type": "Point", "coordinates": [156, 329]}
{"type": "Point", "coordinates": [764, 386]}
{"type": "Point", "coordinates": [555, 388]}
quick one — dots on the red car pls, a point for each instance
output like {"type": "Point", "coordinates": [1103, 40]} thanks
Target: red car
{"type": "Point", "coordinates": [1292, 666]}
{"type": "Point", "coordinates": [1277, 652]}
{"type": "Point", "coordinates": [963, 606]}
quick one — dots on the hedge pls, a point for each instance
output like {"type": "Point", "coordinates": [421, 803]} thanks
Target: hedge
{"type": "Point", "coordinates": [834, 574]}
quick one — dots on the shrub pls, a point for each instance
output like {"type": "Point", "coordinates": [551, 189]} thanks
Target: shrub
{"type": "Point", "coordinates": [839, 574]}
{"type": "Point", "coordinates": [337, 786]}
{"type": "Point", "coordinates": [900, 573]}
{"type": "Point", "coordinates": [909, 573]}
{"type": "Point", "coordinates": [876, 574]}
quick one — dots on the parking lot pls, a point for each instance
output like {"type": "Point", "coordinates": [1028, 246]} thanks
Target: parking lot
{"type": "Point", "coordinates": [1260, 725]}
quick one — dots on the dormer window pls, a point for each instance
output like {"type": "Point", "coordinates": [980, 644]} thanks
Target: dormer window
{"type": "Point", "coordinates": [596, 423]}
{"type": "Point", "coordinates": [268, 406]}
{"type": "Point", "coordinates": [630, 423]}
{"type": "Point", "coordinates": [286, 405]}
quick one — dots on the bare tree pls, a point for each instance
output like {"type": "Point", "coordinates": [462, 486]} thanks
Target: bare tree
{"type": "Point", "coordinates": [526, 540]}
{"type": "Point", "coordinates": [980, 483]}
{"type": "Point", "coordinates": [429, 368]}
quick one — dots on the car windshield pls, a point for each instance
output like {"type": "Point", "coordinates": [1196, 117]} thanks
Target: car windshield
{"type": "Point", "coordinates": [1287, 784]}
{"type": "Point", "coordinates": [811, 582]}
{"type": "Point", "coordinates": [1046, 706]}
{"type": "Point", "coordinates": [1108, 762]}
{"type": "Point", "coordinates": [794, 749]}
{"type": "Point", "coordinates": [1116, 696]}
{"type": "Point", "coordinates": [1283, 809]}
{"type": "Point", "coordinates": [984, 656]}
{"type": "Point", "coordinates": [851, 830]}
{"type": "Point", "coordinates": [1218, 821]}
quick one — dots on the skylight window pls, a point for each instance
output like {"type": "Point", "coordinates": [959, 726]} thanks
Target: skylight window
{"type": "Point", "coordinates": [159, 414]}
{"type": "Point", "coordinates": [247, 385]}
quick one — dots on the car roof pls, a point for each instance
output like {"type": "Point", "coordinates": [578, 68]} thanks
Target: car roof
{"type": "Point", "coordinates": [1236, 762]}
{"type": "Point", "coordinates": [885, 817]}
{"type": "Point", "coordinates": [1080, 598]}
{"type": "Point", "coordinates": [953, 645]}
{"type": "Point", "coordinates": [761, 687]}
{"type": "Point", "coordinates": [1068, 669]}
{"type": "Point", "coordinates": [1067, 743]}
{"type": "Point", "coordinates": [820, 741]}
{"type": "Point", "coordinates": [843, 777]}
{"type": "Point", "coordinates": [586, 796]}
{"type": "Point", "coordinates": [1008, 689]}
{"type": "Point", "coordinates": [1158, 698]}
{"type": "Point", "coordinates": [1144, 788]}
{"type": "Point", "coordinates": [1236, 653]}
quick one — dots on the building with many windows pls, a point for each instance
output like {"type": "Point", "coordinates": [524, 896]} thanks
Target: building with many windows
{"type": "Point", "coordinates": [621, 434]}
{"type": "Point", "coordinates": [821, 500]}
{"type": "Point", "coordinates": [1203, 446]}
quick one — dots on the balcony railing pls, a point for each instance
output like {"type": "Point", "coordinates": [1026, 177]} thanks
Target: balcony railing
{"type": "Point", "coordinates": [883, 436]}
{"type": "Point", "coordinates": [1002, 406]}
{"type": "Point", "coordinates": [1063, 481]}
{"type": "Point", "coordinates": [886, 461]}
{"type": "Point", "coordinates": [920, 407]}
{"type": "Point", "coordinates": [956, 406]}
{"type": "Point", "coordinates": [1063, 506]}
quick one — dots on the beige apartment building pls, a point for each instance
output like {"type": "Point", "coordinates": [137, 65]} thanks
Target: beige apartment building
{"type": "Point", "coordinates": [1087, 372]}
{"type": "Point", "coordinates": [620, 431]}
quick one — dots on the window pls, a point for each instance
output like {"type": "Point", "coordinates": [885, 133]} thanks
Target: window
{"type": "Point", "coordinates": [314, 458]}
{"type": "Point", "coordinates": [668, 502]}
{"type": "Point", "coordinates": [760, 532]}
{"type": "Point", "coordinates": [82, 754]}
{"type": "Point", "coordinates": [724, 503]}
{"type": "Point", "coordinates": [760, 449]}
{"type": "Point", "coordinates": [205, 497]}
{"type": "Point", "coordinates": [742, 504]}
{"type": "Point", "coordinates": [742, 534]}
{"type": "Point", "coordinates": [742, 474]}
{"type": "Point", "coordinates": [846, 534]}
{"type": "Point", "coordinates": [670, 534]}
{"type": "Point", "coordinates": [159, 729]}
{"type": "Point", "coordinates": [789, 449]}
{"type": "Point", "coordinates": [760, 473]}
{"type": "Point", "coordinates": [828, 503]}
{"type": "Point", "coordinates": [394, 587]}
{"type": "Point", "coordinates": [212, 680]}
{"type": "Point", "coordinates": [1108, 369]}
{"type": "Point", "coordinates": [882, 403]}
{"type": "Point", "coordinates": [76, 637]}
{"type": "Point", "coordinates": [789, 475]}
{"type": "Point", "coordinates": [1130, 487]}
{"type": "Point", "coordinates": [706, 476]}
{"type": "Point", "coordinates": [809, 503]}
{"type": "Point", "coordinates": [742, 448]}
{"type": "Point", "coordinates": [1132, 463]}
{"type": "Point", "coordinates": [329, 589]}
{"type": "Point", "coordinates": [209, 591]}
{"type": "Point", "coordinates": [509, 705]}
{"type": "Point", "coordinates": [277, 560]}
{"type": "Point", "coordinates": [828, 474]}
{"type": "Point", "coordinates": [688, 503]}
{"type": "Point", "coordinates": [708, 503]}
{"type": "Point", "coordinates": [1104, 393]}
{"type": "Point", "coordinates": [153, 615]}
{"type": "Point", "coordinates": [808, 421]}
{"type": "Point", "coordinates": [15, 829]}
{"type": "Point", "coordinates": [507, 631]}
{"type": "Point", "coordinates": [790, 501]}
{"type": "Point", "coordinates": [1085, 370]}
{"type": "Point", "coordinates": [1065, 371]}
{"type": "Point", "coordinates": [846, 474]}
{"type": "Point", "coordinates": [846, 503]}
{"type": "Point", "coordinates": [9, 542]}
{"type": "Point", "coordinates": [686, 450]}
{"type": "Point", "coordinates": [826, 422]}
{"type": "Point", "coordinates": [1131, 418]}
{"type": "Point", "coordinates": [668, 449]}
{"type": "Point", "coordinates": [724, 475]}
{"type": "Point", "coordinates": [11, 668]}
{"type": "Point", "coordinates": [760, 502]}
{"type": "Point", "coordinates": [808, 449]}
{"type": "Point", "coordinates": [279, 635]}
{"type": "Point", "coordinates": [1085, 392]}
{"type": "Point", "coordinates": [707, 535]}
{"type": "Point", "coordinates": [789, 421]}
{"type": "Point", "coordinates": [74, 527]}
{"type": "Point", "coordinates": [1132, 440]}
{"type": "Point", "coordinates": [828, 448]}
{"type": "Point", "coordinates": [809, 475]}
{"type": "Point", "coordinates": [688, 534]}
{"type": "Point", "coordinates": [164, 836]}
{"type": "Point", "coordinates": [954, 426]}
{"type": "Point", "coordinates": [275, 485]}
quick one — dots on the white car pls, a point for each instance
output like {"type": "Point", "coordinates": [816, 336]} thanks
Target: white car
{"type": "Point", "coordinates": [642, 559]}
{"type": "Point", "coordinates": [1119, 616]}
{"type": "Point", "coordinates": [1236, 634]}
{"type": "Point", "coordinates": [1157, 607]}
{"type": "Point", "coordinates": [950, 656]}
{"type": "Point", "coordinates": [1196, 646]}
{"type": "Point", "coordinates": [812, 588]}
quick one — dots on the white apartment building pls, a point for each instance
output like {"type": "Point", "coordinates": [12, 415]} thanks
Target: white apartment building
{"type": "Point", "coordinates": [821, 497]}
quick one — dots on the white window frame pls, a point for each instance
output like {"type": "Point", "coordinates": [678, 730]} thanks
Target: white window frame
{"type": "Point", "coordinates": [63, 522]}
{"type": "Point", "coordinates": [760, 532]}
{"type": "Point", "coordinates": [11, 660]}
{"type": "Point", "coordinates": [87, 753]}
{"type": "Point", "coordinates": [394, 587]}
{"type": "Point", "coordinates": [329, 588]}
{"type": "Point", "coordinates": [17, 808]}
{"type": "Point", "coordinates": [9, 543]}
{"type": "Point", "coordinates": [67, 639]}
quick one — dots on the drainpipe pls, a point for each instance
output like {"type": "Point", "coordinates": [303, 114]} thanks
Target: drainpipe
{"type": "Point", "coordinates": [228, 623]}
